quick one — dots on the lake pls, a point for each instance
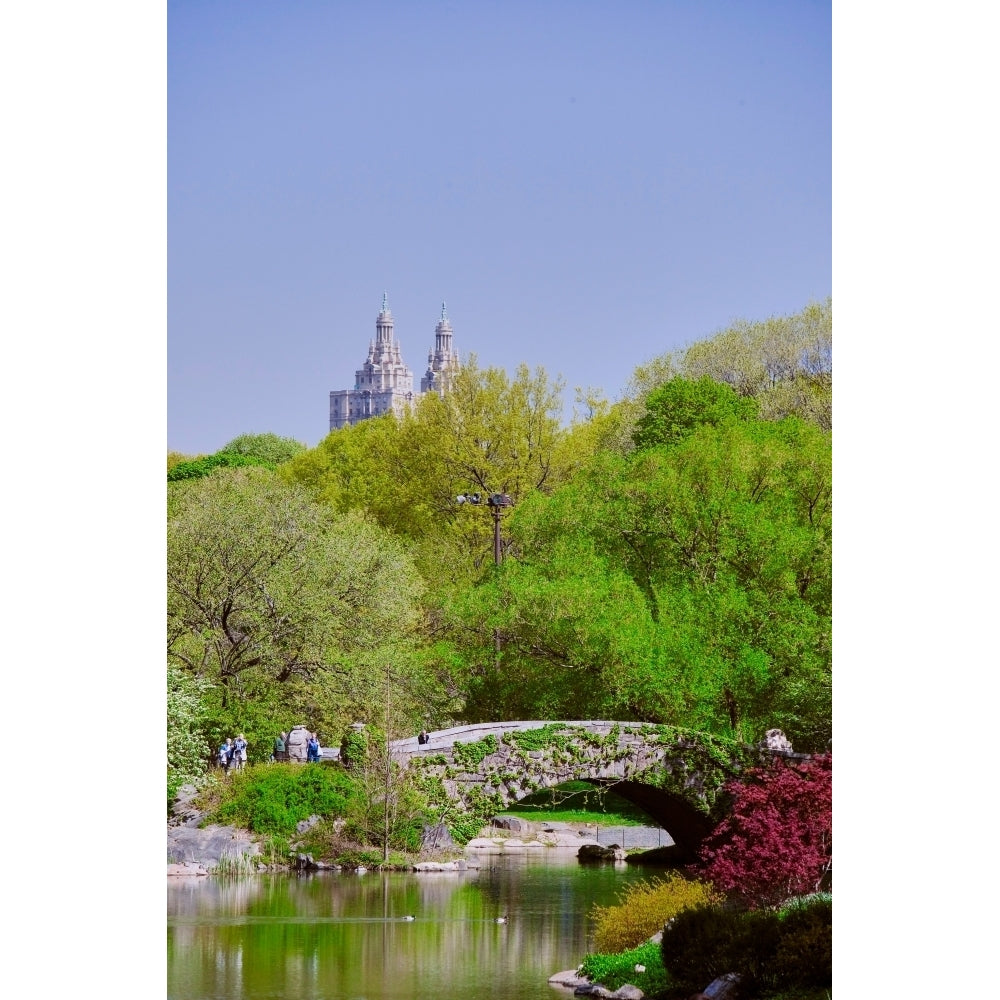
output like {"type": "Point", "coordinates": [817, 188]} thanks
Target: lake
{"type": "Point", "coordinates": [341, 936]}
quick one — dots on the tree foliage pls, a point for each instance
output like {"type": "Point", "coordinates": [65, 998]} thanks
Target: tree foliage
{"type": "Point", "coordinates": [186, 757]}
{"type": "Point", "coordinates": [785, 362]}
{"type": "Point", "coordinates": [777, 840]}
{"type": "Point", "coordinates": [198, 468]}
{"type": "Point", "coordinates": [265, 587]}
{"type": "Point", "coordinates": [490, 433]}
{"type": "Point", "coordinates": [679, 406]}
{"type": "Point", "coordinates": [267, 447]}
{"type": "Point", "coordinates": [667, 557]}
{"type": "Point", "coordinates": [687, 584]}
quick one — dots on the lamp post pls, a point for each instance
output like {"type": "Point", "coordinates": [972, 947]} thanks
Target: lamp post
{"type": "Point", "coordinates": [496, 503]}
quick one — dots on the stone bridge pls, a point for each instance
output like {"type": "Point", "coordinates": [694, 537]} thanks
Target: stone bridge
{"type": "Point", "coordinates": [675, 775]}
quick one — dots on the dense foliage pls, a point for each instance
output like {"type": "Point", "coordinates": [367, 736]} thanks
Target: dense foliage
{"type": "Point", "coordinates": [641, 966]}
{"type": "Point", "coordinates": [199, 467]}
{"type": "Point", "coordinates": [770, 950]}
{"type": "Point", "coordinates": [273, 799]}
{"type": "Point", "coordinates": [776, 840]}
{"type": "Point", "coordinates": [667, 558]}
{"type": "Point", "coordinates": [686, 584]}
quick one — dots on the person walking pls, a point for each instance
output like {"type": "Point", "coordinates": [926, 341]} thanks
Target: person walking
{"type": "Point", "coordinates": [313, 754]}
{"type": "Point", "coordinates": [239, 752]}
{"type": "Point", "coordinates": [226, 754]}
{"type": "Point", "coordinates": [279, 747]}
{"type": "Point", "coordinates": [423, 738]}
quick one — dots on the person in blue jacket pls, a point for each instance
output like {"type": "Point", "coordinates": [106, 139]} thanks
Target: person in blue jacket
{"type": "Point", "coordinates": [313, 751]}
{"type": "Point", "coordinates": [239, 752]}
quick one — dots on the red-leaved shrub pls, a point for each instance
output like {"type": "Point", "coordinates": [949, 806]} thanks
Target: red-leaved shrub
{"type": "Point", "coordinates": [777, 840]}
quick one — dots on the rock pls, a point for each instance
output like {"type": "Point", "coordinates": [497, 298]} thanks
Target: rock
{"type": "Point", "coordinates": [306, 824]}
{"type": "Point", "coordinates": [205, 846]}
{"type": "Point", "coordinates": [297, 744]}
{"type": "Point", "coordinates": [724, 986]}
{"type": "Point", "coordinates": [187, 868]}
{"type": "Point", "coordinates": [512, 823]}
{"type": "Point", "coordinates": [671, 856]}
{"type": "Point", "coordinates": [775, 739]}
{"type": "Point", "coordinates": [182, 810]}
{"type": "Point", "coordinates": [628, 992]}
{"type": "Point", "coordinates": [593, 853]}
{"type": "Point", "coordinates": [568, 978]}
{"type": "Point", "coordinates": [436, 838]}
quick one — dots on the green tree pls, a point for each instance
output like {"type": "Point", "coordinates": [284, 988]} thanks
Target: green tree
{"type": "Point", "coordinates": [269, 447]}
{"type": "Point", "coordinates": [677, 407]}
{"type": "Point", "coordinates": [264, 587]}
{"type": "Point", "coordinates": [686, 584]}
{"type": "Point", "coordinates": [785, 362]}
{"type": "Point", "coordinates": [490, 433]}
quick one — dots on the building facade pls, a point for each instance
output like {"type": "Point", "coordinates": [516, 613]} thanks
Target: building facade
{"type": "Point", "coordinates": [384, 383]}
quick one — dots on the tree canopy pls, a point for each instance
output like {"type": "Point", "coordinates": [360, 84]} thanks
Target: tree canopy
{"type": "Point", "coordinates": [667, 557]}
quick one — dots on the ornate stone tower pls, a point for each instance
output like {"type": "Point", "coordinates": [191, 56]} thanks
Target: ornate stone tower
{"type": "Point", "coordinates": [382, 384]}
{"type": "Point", "coordinates": [442, 362]}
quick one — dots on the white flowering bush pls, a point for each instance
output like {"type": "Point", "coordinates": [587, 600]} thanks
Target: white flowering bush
{"type": "Point", "coordinates": [186, 750]}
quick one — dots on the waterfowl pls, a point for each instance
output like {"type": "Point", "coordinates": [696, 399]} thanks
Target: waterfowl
{"type": "Point", "coordinates": [409, 917]}
{"type": "Point", "coordinates": [502, 920]}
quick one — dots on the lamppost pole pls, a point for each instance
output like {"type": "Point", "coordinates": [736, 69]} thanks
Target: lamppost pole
{"type": "Point", "coordinates": [496, 503]}
{"type": "Point", "coordinates": [496, 535]}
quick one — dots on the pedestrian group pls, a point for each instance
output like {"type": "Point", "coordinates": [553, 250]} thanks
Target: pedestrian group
{"type": "Point", "coordinates": [233, 753]}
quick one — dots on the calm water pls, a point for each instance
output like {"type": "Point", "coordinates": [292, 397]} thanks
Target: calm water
{"type": "Point", "coordinates": [334, 936]}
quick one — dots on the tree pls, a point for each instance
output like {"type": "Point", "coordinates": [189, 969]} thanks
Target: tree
{"type": "Point", "coordinates": [785, 362]}
{"type": "Point", "coordinates": [687, 584]}
{"type": "Point", "coordinates": [266, 588]}
{"type": "Point", "coordinates": [269, 447]}
{"type": "Point", "coordinates": [677, 407]}
{"type": "Point", "coordinates": [777, 840]}
{"type": "Point", "coordinates": [489, 432]}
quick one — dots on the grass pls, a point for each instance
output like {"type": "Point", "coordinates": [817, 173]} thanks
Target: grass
{"type": "Point", "coordinates": [580, 802]}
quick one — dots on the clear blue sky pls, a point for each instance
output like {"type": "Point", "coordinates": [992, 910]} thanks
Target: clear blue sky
{"type": "Point", "coordinates": [587, 185]}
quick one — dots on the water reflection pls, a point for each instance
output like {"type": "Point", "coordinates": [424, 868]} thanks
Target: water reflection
{"type": "Point", "coordinates": [336, 936]}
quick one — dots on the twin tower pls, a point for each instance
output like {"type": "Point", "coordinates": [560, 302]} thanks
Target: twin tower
{"type": "Point", "coordinates": [383, 383]}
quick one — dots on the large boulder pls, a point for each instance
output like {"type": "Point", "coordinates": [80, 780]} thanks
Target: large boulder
{"type": "Point", "coordinates": [596, 853]}
{"type": "Point", "coordinates": [436, 838]}
{"type": "Point", "coordinates": [298, 744]}
{"type": "Point", "coordinates": [512, 823]}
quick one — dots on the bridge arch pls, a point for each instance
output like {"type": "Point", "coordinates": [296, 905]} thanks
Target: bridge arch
{"type": "Point", "coordinates": [676, 775]}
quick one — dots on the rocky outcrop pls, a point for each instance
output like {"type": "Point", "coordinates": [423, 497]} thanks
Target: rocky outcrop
{"type": "Point", "coordinates": [596, 853]}
{"type": "Point", "coordinates": [204, 847]}
{"type": "Point", "coordinates": [437, 838]}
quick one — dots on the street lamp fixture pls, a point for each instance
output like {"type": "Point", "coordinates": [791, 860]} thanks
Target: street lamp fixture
{"type": "Point", "coordinates": [496, 503]}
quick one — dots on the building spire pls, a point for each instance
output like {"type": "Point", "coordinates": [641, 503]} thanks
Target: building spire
{"type": "Point", "coordinates": [385, 302]}
{"type": "Point", "coordinates": [444, 314]}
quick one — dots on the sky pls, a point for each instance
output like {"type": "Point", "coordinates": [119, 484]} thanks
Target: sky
{"type": "Point", "coordinates": [587, 185]}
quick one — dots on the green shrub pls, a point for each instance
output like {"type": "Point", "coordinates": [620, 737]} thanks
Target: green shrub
{"type": "Point", "coordinates": [705, 942]}
{"type": "Point", "coordinates": [200, 467]}
{"type": "Point", "coordinates": [643, 910]}
{"type": "Point", "coordinates": [773, 951]}
{"type": "Point", "coordinates": [804, 956]}
{"type": "Point", "coordinates": [356, 858]}
{"type": "Point", "coordinates": [615, 970]}
{"type": "Point", "coordinates": [273, 798]}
